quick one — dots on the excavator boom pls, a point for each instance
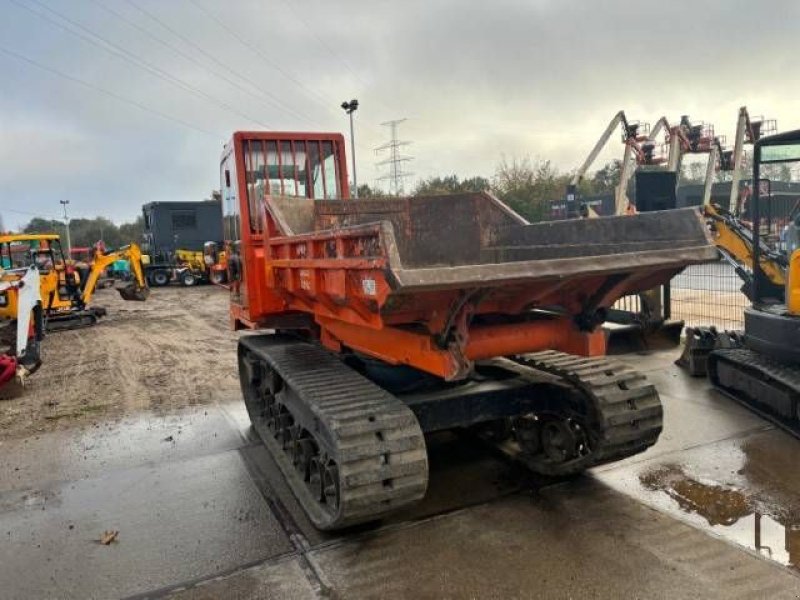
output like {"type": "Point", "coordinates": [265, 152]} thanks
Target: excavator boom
{"type": "Point", "coordinates": [137, 290]}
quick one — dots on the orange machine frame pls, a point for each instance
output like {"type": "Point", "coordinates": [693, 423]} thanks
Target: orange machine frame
{"type": "Point", "coordinates": [339, 280]}
{"type": "Point", "coordinates": [336, 284]}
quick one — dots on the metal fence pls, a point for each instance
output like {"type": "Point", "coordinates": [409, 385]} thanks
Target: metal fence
{"type": "Point", "coordinates": [702, 295]}
{"type": "Point", "coordinates": [709, 295]}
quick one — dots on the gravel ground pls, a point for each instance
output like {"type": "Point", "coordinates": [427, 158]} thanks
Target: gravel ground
{"type": "Point", "coordinates": [172, 351]}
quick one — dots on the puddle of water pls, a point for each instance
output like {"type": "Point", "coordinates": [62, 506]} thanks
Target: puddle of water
{"type": "Point", "coordinates": [730, 512]}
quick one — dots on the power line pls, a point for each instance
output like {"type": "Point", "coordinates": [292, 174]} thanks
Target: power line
{"type": "Point", "coordinates": [119, 52]}
{"type": "Point", "coordinates": [314, 96]}
{"type": "Point", "coordinates": [30, 214]}
{"type": "Point", "coordinates": [264, 95]}
{"type": "Point", "coordinates": [330, 50]}
{"type": "Point", "coordinates": [106, 92]}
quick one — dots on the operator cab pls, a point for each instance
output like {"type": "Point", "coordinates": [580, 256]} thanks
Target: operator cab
{"type": "Point", "coordinates": [258, 166]}
{"type": "Point", "coordinates": [775, 210]}
{"type": "Point", "coordinates": [771, 323]}
{"type": "Point", "coordinates": [21, 251]}
{"type": "Point", "coordinates": [45, 252]}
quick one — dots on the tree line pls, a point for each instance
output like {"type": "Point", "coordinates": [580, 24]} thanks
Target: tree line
{"type": "Point", "coordinates": [531, 186]}
{"type": "Point", "coordinates": [527, 186]}
{"type": "Point", "coordinates": [86, 232]}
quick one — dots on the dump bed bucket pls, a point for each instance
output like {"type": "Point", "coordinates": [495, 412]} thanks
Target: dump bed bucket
{"type": "Point", "coordinates": [437, 282]}
{"type": "Point", "coordinates": [474, 240]}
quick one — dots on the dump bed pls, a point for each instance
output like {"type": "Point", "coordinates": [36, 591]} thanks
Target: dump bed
{"type": "Point", "coordinates": [440, 282]}
{"type": "Point", "coordinates": [474, 240]}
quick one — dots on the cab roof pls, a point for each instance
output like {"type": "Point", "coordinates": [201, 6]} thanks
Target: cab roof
{"type": "Point", "coordinates": [28, 237]}
{"type": "Point", "coordinates": [780, 138]}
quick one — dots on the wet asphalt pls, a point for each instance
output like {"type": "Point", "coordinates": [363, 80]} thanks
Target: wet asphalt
{"type": "Point", "coordinates": [712, 511]}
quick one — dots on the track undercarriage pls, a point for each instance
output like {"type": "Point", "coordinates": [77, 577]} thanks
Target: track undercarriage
{"type": "Point", "coordinates": [353, 452]}
{"type": "Point", "coordinates": [763, 384]}
{"type": "Point", "coordinates": [73, 319]}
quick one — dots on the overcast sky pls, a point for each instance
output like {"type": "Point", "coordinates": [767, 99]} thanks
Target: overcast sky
{"type": "Point", "coordinates": [141, 112]}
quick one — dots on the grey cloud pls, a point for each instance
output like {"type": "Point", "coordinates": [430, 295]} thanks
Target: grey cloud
{"type": "Point", "coordinates": [476, 79]}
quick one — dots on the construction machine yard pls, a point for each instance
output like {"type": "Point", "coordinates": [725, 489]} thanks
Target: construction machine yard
{"type": "Point", "coordinates": [424, 407]}
{"type": "Point", "coordinates": [172, 351]}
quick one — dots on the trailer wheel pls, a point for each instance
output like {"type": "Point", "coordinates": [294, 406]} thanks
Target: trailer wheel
{"type": "Point", "coordinates": [188, 279]}
{"type": "Point", "coordinates": [159, 278]}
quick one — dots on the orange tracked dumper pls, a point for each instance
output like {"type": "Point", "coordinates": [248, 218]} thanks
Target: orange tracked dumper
{"type": "Point", "coordinates": [385, 319]}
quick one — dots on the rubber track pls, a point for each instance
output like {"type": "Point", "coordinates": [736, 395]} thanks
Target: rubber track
{"type": "Point", "coordinates": [763, 370]}
{"type": "Point", "coordinates": [68, 321]}
{"type": "Point", "coordinates": [627, 416]}
{"type": "Point", "coordinates": [378, 445]}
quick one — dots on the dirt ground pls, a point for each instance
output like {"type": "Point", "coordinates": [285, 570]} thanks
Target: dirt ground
{"type": "Point", "coordinates": [172, 351]}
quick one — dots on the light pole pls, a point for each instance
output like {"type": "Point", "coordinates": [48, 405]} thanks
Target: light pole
{"type": "Point", "coordinates": [350, 108]}
{"type": "Point", "coordinates": [66, 224]}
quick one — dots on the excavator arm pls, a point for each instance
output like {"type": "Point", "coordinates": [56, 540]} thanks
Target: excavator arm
{"type": "Point", "coordinates": [136, 290]}
{"type": "Point", "coordinates": [735, 241]}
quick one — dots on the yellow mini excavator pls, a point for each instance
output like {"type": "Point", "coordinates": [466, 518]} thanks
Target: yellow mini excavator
{"type": "Point", "coordinates": [760, 367]}
{"type": "Point", "coordinates": [67, 292]}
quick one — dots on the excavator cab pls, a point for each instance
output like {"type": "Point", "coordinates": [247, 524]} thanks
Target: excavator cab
{"type": "Point", "coordinates": [45, 253]}
{"type": "Point", "coordinates": [774, 227]}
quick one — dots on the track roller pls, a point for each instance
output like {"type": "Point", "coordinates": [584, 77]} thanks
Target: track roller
{"type": "Point", "coordinates": [612, 412]}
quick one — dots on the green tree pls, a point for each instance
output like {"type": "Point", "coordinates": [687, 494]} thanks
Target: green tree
{"type": "Point", "coordinates": [86, 232]}
{"type": "Point", "coordinates": [780, 172]}
{"type": "Point", "coordinates": [451, 184]}
{"type": "Point", "coordinates": [365, 191]}
{"type": "Point", "coordinates": [40, 225]}
{"type": "Point", "coordinates": [132, 232]}
{"type": "Point", "coordinates": [529, 188]}
{"type": "Point", "coordinates": [606, 178]}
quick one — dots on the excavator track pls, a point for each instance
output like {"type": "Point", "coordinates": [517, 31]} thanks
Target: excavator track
{"type": "Point", "coordinates": [621, 413]}
{"type": "Point", "coordinates": [765, 386]}
{"type": "Point", "coordinates": [77, 319]}
{"type": "Point", "coordinates": [350, 451]}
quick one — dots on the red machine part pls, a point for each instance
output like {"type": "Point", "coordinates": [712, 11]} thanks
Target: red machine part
{"type": "Point", "coordinates": [8, 368]}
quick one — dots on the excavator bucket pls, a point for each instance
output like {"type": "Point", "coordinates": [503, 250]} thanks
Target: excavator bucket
{"type": "Point", "coordinates": [133, 292]}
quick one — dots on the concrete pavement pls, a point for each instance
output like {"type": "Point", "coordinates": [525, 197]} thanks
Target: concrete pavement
{"type": "Point", "coordinates": [203, 513]}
